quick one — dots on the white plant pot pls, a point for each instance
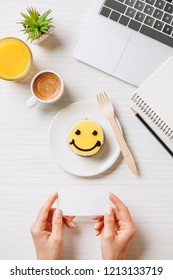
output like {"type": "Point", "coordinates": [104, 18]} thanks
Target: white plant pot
{"type": "Point", "coordinates": [42, 38]}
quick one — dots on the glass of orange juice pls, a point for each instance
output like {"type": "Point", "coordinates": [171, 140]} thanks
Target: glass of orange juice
{"type": "Point", "coordinates": [15, 58]}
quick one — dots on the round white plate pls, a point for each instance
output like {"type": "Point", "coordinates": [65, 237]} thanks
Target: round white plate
{"type": "Point", "coordinates": [65, 157]}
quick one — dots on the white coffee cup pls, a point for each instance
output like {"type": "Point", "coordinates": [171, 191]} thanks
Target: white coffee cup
{"type": "Point", "coordinates": [46, 87]}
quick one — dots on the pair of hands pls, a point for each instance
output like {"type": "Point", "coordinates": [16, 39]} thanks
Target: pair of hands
{"type": "Point", "coordinates": [116, 226]}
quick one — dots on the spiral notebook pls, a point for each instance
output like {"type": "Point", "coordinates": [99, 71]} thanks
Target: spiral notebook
{"type": "Point", "coordinates": [153, 100]}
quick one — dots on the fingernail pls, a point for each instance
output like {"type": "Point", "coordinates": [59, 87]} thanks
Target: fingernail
{"type": "Point", "coordinates": [72, 224]}
{"type": "Point", "coordinates": [96, 226]}
{"type": "Point", "coordinates": [55, 194]}
{"type": "Point", "coordinates": [58, 213]}
{"type": "Point", "coordinates": [109, 210]}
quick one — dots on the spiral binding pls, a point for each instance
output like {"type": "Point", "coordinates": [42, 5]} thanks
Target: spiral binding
{"type": "Point", "coordinates": [153, 116]}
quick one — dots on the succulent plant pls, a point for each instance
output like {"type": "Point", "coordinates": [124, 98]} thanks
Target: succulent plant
{"type": "Point", "coordinates": [35, 25]}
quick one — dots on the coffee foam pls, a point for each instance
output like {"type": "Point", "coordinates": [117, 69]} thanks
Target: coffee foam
{"type": "Point", "coordinates": [47, 86]}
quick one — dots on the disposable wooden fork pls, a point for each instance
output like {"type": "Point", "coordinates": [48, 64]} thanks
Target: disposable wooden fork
{"type": "Point", "coordinates": [107, 109]}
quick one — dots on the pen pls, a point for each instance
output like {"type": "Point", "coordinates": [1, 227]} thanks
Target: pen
{"type": "Point", "coordinates": [152, 132]}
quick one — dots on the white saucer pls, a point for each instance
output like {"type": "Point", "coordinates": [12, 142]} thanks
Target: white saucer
{"type": "Point", "coordinates": [65, 157]}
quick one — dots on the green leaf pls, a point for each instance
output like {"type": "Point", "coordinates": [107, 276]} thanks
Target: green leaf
{"type": "Point", "coordinates": [29, 29]}
{"type": "Point", "coordinates": [37, 33]}
{"type": "Point", "coordinates": [44, 31]}
{"type": "Point", "coordinates": [32, 35]}
{"type": "Point", "coordinates": [33, 14]}
{"type": "Point", "coordinates": [24, 23]}
{"type": "Point", "coordinates": [44, 16]}
{"type": "Point", "coordinates": [25, 16]}
{"type": "Point", "coordinates": [46, 22]}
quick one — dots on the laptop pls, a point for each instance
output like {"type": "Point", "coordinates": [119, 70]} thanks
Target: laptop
{"type": "Point", "coordinates": [128, 39]}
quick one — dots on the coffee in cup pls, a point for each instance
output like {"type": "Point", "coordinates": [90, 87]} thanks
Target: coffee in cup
{"type": "Point", "coordinates": [46, 87]}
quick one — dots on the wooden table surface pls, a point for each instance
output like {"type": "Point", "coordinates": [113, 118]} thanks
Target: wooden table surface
{"type": "Point", "coordinates": [28, 174]}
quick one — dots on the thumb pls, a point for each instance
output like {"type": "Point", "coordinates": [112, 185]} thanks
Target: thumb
{"type": "Point", "coordinates": [109, 223]}
{"type": "Point", "coordinates": [57, 224]}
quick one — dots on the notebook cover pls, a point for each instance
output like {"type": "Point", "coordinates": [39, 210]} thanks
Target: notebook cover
{"type": "Point", "coordinates": [154, 101]}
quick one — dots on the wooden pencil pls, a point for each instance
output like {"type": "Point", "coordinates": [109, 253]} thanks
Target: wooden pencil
{"type": "Point", "coordinates": [152, 132]}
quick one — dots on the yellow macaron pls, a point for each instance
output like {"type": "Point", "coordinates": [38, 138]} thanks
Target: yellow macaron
{"type": "Point", "coordinates": [85, 137]}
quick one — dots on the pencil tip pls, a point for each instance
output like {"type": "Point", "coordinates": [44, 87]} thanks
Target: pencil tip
{"type": "Point", "coordinates": [133, 111]}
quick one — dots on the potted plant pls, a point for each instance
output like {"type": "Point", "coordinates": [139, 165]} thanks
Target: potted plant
{"type": "Point", "coordinates": [37, 26]}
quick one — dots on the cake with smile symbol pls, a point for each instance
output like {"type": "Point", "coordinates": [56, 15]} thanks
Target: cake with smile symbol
{"type": "Point", "coordinates": [85, 138]}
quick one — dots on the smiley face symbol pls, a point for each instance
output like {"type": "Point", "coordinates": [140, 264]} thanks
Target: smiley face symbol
{"type": "Point", "coordinates": [85, 137]}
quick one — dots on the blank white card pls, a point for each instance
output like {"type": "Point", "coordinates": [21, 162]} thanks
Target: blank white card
{"type": "Point", "coordinates": [83, 202]}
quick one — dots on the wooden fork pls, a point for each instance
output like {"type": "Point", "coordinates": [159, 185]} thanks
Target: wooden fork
{"type": "Point", "coordinates": [107, 109]}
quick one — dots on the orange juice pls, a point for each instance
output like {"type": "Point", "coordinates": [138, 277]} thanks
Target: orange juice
{"type": "Point", "coordinates": [15, 59]}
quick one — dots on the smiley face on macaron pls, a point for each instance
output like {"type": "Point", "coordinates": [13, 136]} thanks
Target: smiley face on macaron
{"type": "Point", "coordinates": [85, 137]}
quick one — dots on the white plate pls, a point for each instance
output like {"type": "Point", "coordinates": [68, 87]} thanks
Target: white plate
{"type": "Point", "coordinates": [65, 157]}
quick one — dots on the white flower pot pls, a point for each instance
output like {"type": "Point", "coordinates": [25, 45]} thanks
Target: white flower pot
{"type": "Point", "coordinates": [42, 38]}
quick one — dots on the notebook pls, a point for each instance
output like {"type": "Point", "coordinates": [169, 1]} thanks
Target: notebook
{"type": "Point", "coordinates": [153, 100]}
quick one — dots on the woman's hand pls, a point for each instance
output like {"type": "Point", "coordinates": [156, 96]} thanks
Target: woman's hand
{"type": "Point", "coordinates": [47, 231]}
{"type": "Point", "coordinates": [118, 231]}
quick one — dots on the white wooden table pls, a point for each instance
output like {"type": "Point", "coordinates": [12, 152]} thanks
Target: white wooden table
{"type": "Point", "coordinates": [28, 174]}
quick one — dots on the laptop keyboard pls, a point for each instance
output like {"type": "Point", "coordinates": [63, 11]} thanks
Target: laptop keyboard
{"type": "Point", "coordinates": [153, 18]}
